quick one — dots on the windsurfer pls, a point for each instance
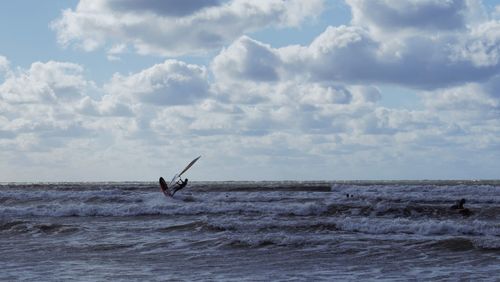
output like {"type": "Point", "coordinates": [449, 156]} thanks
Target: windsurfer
{"type": "Point", "coordinates": [180, 184]}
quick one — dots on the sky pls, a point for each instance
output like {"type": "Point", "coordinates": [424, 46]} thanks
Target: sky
{"type": "Point", "coordinates": [125, 90]}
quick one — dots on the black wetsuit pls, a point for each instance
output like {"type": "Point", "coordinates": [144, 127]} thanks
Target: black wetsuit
{"type": "Point", "coordinates": [181, 184]}
{"type": "Point", "coordinates": [459, 205]}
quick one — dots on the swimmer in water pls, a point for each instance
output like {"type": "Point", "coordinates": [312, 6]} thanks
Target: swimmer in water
{"type": "Point", "coordinates": [460, 207]}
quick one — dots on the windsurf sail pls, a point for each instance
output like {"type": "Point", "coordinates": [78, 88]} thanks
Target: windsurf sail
{"type": "Point", "coordinates": [174, 180]}
{"type": "Point", "coordinates": [189, 165]}
{"type": "Point", "coordinates": [178, 176]}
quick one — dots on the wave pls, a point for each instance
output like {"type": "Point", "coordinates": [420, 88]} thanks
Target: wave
{"type": "Point", "coordinates": [421, 227]}
{"type": "Point", "coordinates": [110, 203]}
{"type": "Point", "coordinates": [373, 226]}
{"type": "Point", "coordinates": [414, 198]}
{"type": "Point", "coordinates": [267, 241]}
{"type": "Point", "coordinates": [26, 227]}
{"type": "Point", "coordinates": [159, 207]}
{"type": "Point", "coordinates": [461, 244]}
{"type": "Point", "coordinates": [421, 210]}
{"type": "Point", "coordinates": [482, 194]}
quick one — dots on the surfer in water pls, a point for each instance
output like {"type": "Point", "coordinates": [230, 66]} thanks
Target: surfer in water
{"type": "Point", "coordinates": [459, 206]}
{"type": "Point", "coordinates": [180, 184]}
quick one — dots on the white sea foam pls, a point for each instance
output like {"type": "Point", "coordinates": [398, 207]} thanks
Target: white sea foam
{"type": "Point", "coordinates": [487, 242]}
{"type": "Point", "coordinates": [421, 227]}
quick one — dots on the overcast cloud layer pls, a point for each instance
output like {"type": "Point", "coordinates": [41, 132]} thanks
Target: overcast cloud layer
{"type": "Point", "coordinates": [310, 111]}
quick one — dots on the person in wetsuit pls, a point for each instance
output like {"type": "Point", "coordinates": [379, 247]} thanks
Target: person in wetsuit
{"type": "Point", "coordinates": [180, 184]}
{"type": "Point", "coordinates": [459, 206]}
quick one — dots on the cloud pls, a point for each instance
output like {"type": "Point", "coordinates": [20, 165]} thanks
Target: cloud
{"type": "Point", "coordinates": [318, 105]}
{"type": "Point", "coordinates": [172, 28]}
{"type": "Point", "coordinates": [303, 108]}
{"type": "Point", "coordinates": [298, 122]}
{"type": "Point", "coordinates": [124, 107]}
{"type": "Point", "coordinates": [39, 104]}
{"type": "Point", "coordinates": [45, 83]}
{"type": "Point", "coordinates": [4, 64]}
{"type": "Point", "coordinates": [166, 7]}
{"type": "Point", "coordinates": [115, 51]}
{"type": "Point", "coordinates": [482, 47]}
{"type": "Point", "coordinates": [247, 59]}
{"type": "Point", "coordinates": [108, 106]}
{"type": "Point", "coordinates": [414, 15]}
{"type": "Point", "coordinates": [350, 54]}
{"type": "Point", "coordinates": [322, 91]}
{"type": "Point", "coordinates": [475, 101]}
{"type": "Point", "coordinates": [417, 61]}
{"type": "Point", "coordinates": [170, 83]}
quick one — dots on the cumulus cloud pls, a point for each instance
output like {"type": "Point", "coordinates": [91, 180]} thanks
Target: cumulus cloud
{"type": "Point", "coordinates": [247, 59]}
{"type": "Point", "coordinates": [482, 47]}
{"type": "Point", "coordinates": [416, 15]}
{"type": "Point", "coordinates": [107, 106]}
{"type": "Point", "coordinates": [324, 87]}
{"type": "Point", "coordinates": [170, 83]}
{"type": "Point", "coordinates": [39, 104]}
{"type": "Point", "coordinates": [45, 83]}
{"type": "Point", "coordinates": [421, 62]}
{"type": "Point", "coordinates": [171, 28]}
{"type": "Point", "coordinates": [476, 101]}
{"type": "Point", "coordinates": [311, 90]}
{"type": "Point", "coordinates": [125, 113]}
{"type": "Point", "coordinates": [358, 54]}
{"type": "Point", "coordinates": [350, 54]}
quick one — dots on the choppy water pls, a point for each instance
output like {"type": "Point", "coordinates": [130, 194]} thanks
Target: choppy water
{"type": "Point", "coordinates": [253, 231]}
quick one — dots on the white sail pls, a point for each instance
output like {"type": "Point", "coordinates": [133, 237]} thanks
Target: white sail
{"type": "Point", "coordinates": [189, 165]}
{"type": "Point", "coordinates": [178, 175]}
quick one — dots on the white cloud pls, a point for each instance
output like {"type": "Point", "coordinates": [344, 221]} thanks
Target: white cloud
{"type": "Point", "coordinates": [38, 105]}
{"type": "Point", "coordinates": [318, 95]}
{"type": "Point", "coordinates": [410, 16]}
{"type": "Point", "coordinates": [473, 101]}
{"type": "Point", "coordinates": [247, 59]}
{"type": "Point", "coordinates": [45, 83]}
{"type": "Point", "coordinates": [482, 47]}
{"type": "Point", "coordinates": [311, 92]}
{"type": "Point", "coordinates": [350, 54]}
{"type": "Point", "coordinates": [108, 106]}
{"type": "Point", "coordinates": [114, 53]}
{"type": "Point", "coordinates": [4, 64]}
{"type": "Point", "coordinates": [172, 28]}
{"type": "Point", "coordinates": [170, 83]}
{"type": "Point", "coordinates": [299, 122]}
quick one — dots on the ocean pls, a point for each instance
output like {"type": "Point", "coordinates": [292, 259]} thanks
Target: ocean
{"type": "Point", "coordinates": [250, 231]}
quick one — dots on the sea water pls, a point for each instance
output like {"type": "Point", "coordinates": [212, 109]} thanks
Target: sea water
{"type": "Point", "coordinates": [250, 231]}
